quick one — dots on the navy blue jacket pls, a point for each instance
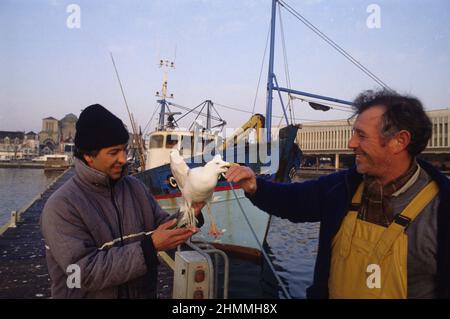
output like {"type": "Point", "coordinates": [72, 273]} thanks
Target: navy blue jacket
{"type": "Point", "coordinates": [327, 200]}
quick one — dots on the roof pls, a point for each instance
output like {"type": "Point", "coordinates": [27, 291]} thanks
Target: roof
{"type": "Point", "coordinates": [50, 118]}
{"type": "Point", "coordinates": [69, 118]}
{"type": "Point", "coordinates": [11, 135]}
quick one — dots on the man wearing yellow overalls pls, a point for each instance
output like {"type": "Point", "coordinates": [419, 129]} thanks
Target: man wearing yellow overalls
{"type": "Point", "coordinates": [385, 222]}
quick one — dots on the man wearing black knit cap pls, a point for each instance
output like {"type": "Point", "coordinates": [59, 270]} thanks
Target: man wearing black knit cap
{"type": "Point", "coordinates": [101, 136]}
{"type": "Point", "coordinates": [102, 228]}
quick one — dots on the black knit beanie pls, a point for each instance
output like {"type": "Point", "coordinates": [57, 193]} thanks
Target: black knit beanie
{"type": "Point", "coordinates": [98, 128]}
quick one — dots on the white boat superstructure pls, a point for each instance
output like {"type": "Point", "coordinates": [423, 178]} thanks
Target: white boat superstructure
{"type": "Point", "coordinates": [160, 143]}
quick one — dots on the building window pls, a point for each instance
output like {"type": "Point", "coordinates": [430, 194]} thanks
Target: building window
{"type": "Point", "coordinates": [49, 127]}
{"type": "Point", "coordinates": [435, 135]}
{"type": "Point", "coordinates": [446, 134]}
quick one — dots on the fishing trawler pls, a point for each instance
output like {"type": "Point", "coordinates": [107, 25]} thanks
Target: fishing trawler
{"type": "Point", "coordinates": [193, 144]}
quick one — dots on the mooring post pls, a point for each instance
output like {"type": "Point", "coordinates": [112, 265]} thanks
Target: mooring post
{"type": "Point", "coordinates": [13, 219]}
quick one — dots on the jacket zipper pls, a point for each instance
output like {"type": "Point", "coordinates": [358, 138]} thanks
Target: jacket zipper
{"type": "Point", "coordinates": [116, 207]}
{"type": "Point", "coordinates": [113, 199]}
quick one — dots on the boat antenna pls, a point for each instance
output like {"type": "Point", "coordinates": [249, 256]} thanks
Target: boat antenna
{"type": "Point", "coordinates": [136, 136]}
{"type": "Point", "coordinates": [166, 64]}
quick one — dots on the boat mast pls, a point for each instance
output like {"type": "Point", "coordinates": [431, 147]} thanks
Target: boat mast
{"type": "Point", "coordinates": [272, 83]}
{"type": "Point", "coordinates": [139, 142]}
{"type": "Point", "coordinates": [270, 76]}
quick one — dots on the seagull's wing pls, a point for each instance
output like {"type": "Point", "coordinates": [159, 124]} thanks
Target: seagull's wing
{"type": "Point", "coordinates": [179, 168]}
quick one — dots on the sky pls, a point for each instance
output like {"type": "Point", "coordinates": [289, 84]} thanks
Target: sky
{"type": "Point", "coordinates": [50, 67]}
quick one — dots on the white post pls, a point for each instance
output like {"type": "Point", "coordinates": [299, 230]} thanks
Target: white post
{"type": "Point", "coordinates": [13, 219]}
{"type": "Point", "coordinates": [336, 162]}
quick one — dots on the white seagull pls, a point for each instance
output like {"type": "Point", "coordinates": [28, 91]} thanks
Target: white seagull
{"type": "Point", "coordinates": [197, 185]}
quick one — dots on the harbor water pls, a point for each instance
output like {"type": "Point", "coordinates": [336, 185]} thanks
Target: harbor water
{"type": "Point", "coordinates": [18, 186]}
{"type": "Point", "coordinates": [293, 251]}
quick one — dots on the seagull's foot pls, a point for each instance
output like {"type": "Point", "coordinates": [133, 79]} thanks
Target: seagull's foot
{"type": "Point", "coordinates": [214, 230]}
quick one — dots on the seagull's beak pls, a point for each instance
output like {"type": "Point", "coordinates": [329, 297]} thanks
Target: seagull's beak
{"type": "Point", "coordinates": [228, 165]}
{"type": "Point", "coordinates": [225, 166]}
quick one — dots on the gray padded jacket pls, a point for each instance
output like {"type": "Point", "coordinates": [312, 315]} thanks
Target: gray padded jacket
{"type": "Point", "coordinates": [82, 224]}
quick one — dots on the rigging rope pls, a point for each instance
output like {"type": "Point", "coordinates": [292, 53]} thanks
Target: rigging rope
{"type": "Point", "coordinates": [260, 72]}
{"type": "Point", "coordinates": [242, 110]}
{"type": "Point", "coordinates": [195, 112]}
{"type": "Point", "coordinates": [269, 262]}
{"type": "Point", "coordinates": [149, 121]}
{"type": "Point", "coordinates": [200, 112]}
{"type": "Point", "coordinates": [189, 110]}
{"type": "Point", "coordinates": [338, 48]}
{"type": "Point", "coordinates": [286, 66]}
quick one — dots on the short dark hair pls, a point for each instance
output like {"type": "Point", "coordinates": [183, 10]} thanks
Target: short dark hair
{"type": "Point", "coordinates": [403, 112]}
{"type": "Point", "coordinates": [79, 153]}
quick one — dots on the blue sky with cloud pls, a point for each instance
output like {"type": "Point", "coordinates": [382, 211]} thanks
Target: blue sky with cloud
{"type": "Point", "coordinates": [47, 69]}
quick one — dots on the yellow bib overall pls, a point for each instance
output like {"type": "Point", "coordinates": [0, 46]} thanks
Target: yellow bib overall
{"type": "Point", "coordinates": [369, 260]}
